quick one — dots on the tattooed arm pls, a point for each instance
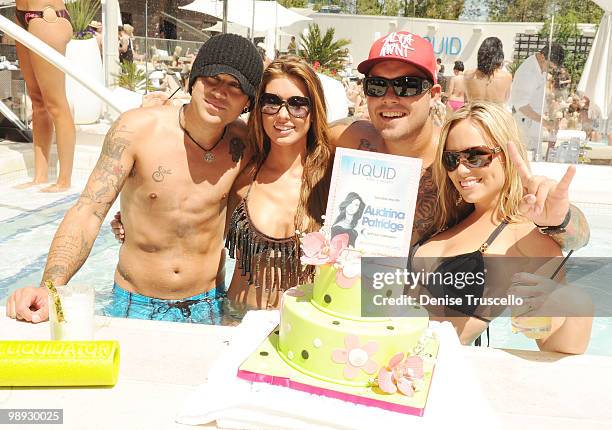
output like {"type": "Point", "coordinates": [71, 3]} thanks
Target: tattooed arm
{"type": "Point", "coordinates": [75, 236]}
{"type": "Point", "coordinates": [79, 228]}
{"type": "Point", "coordinates": [577, 232]}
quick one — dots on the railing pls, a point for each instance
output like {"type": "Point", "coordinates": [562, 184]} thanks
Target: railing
{"type": "Point", "coordinates": [187, 27]}
{"type": "Point", "coordinates": [58, 60]}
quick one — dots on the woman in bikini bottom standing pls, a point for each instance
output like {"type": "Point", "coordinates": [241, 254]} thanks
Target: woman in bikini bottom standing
{"type": "Point", "coordinates": [49, 21]}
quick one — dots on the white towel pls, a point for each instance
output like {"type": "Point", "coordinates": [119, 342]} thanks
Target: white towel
{"type": "Point", "coordinates": [455, 399]}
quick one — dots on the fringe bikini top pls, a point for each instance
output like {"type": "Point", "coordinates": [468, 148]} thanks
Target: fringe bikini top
{"type": "Point", "coordinates": [268, 261]}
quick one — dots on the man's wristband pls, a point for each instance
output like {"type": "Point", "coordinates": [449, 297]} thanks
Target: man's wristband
{"type": "Point", "coordinates": [556, 228]}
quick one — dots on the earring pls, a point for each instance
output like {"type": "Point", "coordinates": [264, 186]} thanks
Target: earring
{"type": "Point", "coordinates": [245, 110]}
{"type": "Point", "coordinates": [459, 200]}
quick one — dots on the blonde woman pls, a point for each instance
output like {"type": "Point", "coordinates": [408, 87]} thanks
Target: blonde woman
{"type": "Point", "coordinates": [285, 188]}
{"type": "Point", "coordinates": [126, 44]}
{"type": "Point", "coordinates": [474, 173]}
{"type": "Point", "coordinates": [49, 21]}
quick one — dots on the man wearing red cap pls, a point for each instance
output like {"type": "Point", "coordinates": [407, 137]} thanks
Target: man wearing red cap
{"type": "Point", "coordinates": [401, 90]}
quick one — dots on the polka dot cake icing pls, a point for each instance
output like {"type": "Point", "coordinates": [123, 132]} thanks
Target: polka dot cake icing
{"type": "Point", "coordinates": [323, 335]}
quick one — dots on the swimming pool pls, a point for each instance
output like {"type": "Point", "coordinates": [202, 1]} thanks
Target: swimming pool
{"type": "Point", "coordinates": [29, 219]}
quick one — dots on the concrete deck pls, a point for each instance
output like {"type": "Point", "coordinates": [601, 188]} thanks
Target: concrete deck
{"type": "Point", "coordinates": [17, 159]}
{"type": "Point", "coordinates": [161, 363]}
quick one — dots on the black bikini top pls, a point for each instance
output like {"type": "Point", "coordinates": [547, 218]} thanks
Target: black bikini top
{"type": "Point", "coordinates": [471, 262]}
{"type": "Point", "coordinates": [472, 259]}
{"type": "Point", "coordinates": [269, 261]}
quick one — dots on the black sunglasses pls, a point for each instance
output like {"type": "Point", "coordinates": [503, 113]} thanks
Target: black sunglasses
{"type": "Point", "coordinates": [298, 107]}
{"type": "Point", "coordinates": [479, 156]}
{"type": "Point", "coordinates": [403, 86]}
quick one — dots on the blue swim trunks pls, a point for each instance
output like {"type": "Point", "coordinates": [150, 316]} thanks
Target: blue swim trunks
{"type": "Point", "coordinates": [205, 308]}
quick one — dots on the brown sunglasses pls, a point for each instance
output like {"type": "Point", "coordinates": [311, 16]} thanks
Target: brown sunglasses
{"type": "Point", "coordinates": [479, 156]}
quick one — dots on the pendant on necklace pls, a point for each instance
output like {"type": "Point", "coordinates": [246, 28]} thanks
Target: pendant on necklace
{"type": "Point", "coordinates": [209, 157]}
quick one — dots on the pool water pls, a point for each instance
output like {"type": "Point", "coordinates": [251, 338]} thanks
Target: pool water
{"type": "Point", "coordinates": [29, 219]}
{"type": "Point", "coordinates": [25, 238]}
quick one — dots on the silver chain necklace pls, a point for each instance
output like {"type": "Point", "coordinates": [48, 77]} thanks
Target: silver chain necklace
{"type": "Point", "coordinates": [209, 157]}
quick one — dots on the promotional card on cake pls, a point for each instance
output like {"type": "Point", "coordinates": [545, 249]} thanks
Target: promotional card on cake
{"type": "Point", "coordinates": [372, 198]}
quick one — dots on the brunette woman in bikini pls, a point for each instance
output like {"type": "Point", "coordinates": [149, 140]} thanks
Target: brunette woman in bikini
{"type": "Point", "coordinates": [490, 81]}
{"type": "Point", "coordinates": [49, 21]}
{"type": "Point", "coordinates": [285, 188]}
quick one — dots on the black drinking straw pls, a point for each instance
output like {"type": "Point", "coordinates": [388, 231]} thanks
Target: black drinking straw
{"type": "Point", "coordinates": [562, 264]}
{"type": "Point", "coordinates": [172, 95]}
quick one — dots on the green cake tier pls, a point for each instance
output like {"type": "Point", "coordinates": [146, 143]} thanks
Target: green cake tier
{"type": "Point", "coordinates": [334, 299]}
{"type": "Point", "coordinates": [344, 299]}
{"type": "Point", "coordinates": [342, 350]}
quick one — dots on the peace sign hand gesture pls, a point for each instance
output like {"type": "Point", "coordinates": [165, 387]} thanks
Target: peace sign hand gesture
{"type": "Point", "coordinates": [545, 202]}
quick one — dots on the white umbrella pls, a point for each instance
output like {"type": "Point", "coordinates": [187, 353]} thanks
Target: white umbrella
{"type": "Point", "coordinates": [241, 12]}
{"type": "Point", "coordinates": [335, 98]}
{"type": "Point", "coordinates": [596, 80]}
{"type": "Point", "coordinates": [234, 28]}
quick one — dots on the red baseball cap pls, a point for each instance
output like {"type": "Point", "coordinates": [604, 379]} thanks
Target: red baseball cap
{"type": "Point", "coordinates": [402, 46]}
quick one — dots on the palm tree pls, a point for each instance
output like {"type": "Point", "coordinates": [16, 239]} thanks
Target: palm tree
{"type": "Point", "coordinates": [328, 53]}
{"type": "Point", "coordinates": [132, 78]}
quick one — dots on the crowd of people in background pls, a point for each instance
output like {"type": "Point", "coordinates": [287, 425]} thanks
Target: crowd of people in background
{"type": "Point", "coordinates": [279, 164]}
{"type": "Point", "coordinates": [492, 80]}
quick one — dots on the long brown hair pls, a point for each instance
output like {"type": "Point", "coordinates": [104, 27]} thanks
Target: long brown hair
{"type": "Point", "coordinates": [317, 164]}
{"type": "Point", "coordinates": [498, 128]}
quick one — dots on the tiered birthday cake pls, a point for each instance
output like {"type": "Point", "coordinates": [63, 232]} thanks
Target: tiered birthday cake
{"type": "Point", "coordinates": [324, 346]}
{"type": "Point", "coordinates": [322, 333]}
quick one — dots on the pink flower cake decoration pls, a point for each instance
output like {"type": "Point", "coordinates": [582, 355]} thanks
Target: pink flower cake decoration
{"type": "Point", "coordinates": [349, 268]}
{"type": "Point", "coordinates": [403, 375]}
{"type": "Point", "coordinates": [356, 357]}
{"type": "Point", "coordinates": [295, 292]}
{"type": "Point", "coordinates": [317, 250]}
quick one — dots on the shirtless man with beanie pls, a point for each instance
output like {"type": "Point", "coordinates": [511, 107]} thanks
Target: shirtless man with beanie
{"type": "Point", "coordinates": [174, 168]}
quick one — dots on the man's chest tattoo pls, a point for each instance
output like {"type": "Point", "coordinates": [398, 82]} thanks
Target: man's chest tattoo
{"type": "Point", "coordinates": [160, 174]}
{"type": "Point", "coordinates": [236, 149]}
{"type": "Point", "coordinates": [425, 207]}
